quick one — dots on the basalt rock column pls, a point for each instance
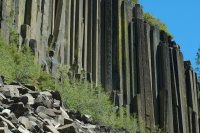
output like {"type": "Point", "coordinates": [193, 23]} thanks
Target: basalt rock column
{"type": "Point", "coordinates": [95, 42]}
{"type": "Point", "coordinates": [125, 57]}
{"type": "Point", "coordinates": [43, 31]}
{"type": "Point", "coordinates": [5, 18]}
{"type": "Point", "coordinates": [19, 13]}
{"type": "Point", "coordinates": [192, 98]}
{"type": "Point", "coordinates": [108, 45]}
{"type": "Point", "coordinates": [67, 32]}
{"type": "Point", "coordinates": [72, 32]}
{"type": "Point", "coordinates": [149, 107]}
{"type": "Point", "coordinates": [85, 40]}
{"type": "Point", "coordinates": [154, 41]}
{"type": "Point", "coordinates": [79, 30]}
{"type": "Point", "coordinates": [181, 90]}
{"type": "Point", "coordinates": [175, 101]}
{"type": "Point", "coordinates": [142, 41]}
{"type": "Point", "coordinates": [165, 97]}
{"type": "Point", "coordinates": [30, 16]}
{"type": "Point", "coordinates": [90, 36]}
{"type": "Point", "coordinates": [117, 75]}
{"type": "Point", "coordinates": [139, 42]}
{"type": "Point", "coordinates": [132, 59]}
{"type": "Point", "coordinates": [58, 39]}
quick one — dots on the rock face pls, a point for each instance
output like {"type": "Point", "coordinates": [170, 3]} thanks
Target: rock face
{"type": "Point", "coordinates": [24, 109]}
{"type": "Point", "coordinates": [109, 41]}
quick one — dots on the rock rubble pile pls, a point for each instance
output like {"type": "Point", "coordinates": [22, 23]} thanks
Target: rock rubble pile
{"type": "Point", "coordinates": [26, 110]}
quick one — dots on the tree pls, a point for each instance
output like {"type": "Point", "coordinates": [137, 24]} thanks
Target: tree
{"type": "Point", "coordinates": [198, 63]}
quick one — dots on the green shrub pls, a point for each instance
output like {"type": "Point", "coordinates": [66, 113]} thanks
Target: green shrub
{"type": "Point", "coordinates": [7, 67]}
{"type": "Point", "coordinates": [19, 65]}
{"type": "Point", "coordinates": [152, 20]}
{"type": "Point", "coordinates": [134, 1]}
{"type": "Point", "coordinates": [84, 97]}
{"type": "Point", "coordinates": [94, 101]}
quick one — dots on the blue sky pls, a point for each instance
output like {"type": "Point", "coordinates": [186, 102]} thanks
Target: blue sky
{"type": "Point", "coordinates": [182, 18]}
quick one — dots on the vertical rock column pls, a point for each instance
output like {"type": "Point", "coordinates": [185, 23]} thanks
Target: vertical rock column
{"type": "Point", "coordinates": [115, 77]}
{"type": "Point", "coordinates": [147, 79]}
{"type": "Point", "coordinates": [142, 41]}
{"type": "Point", "coordinates": [103, 8]}
{"type": "Point", "coordinates": [192, 98]}
{"type": "Point", "coordinates": [139, 100]}
{"type": "Point", "coordinates": [59, 31]}
{"type": "Point", "coordinates": [125, 57]}
{"type": "Point", "coordinates": [119, 53]}
{"type": "Point", "coordinates": [165, 97]}
{"type": "Point", "coordinates": [95, 42]}
{"type": "Point", "coordinates": [19, 13]}
{"type": "Point", "coordinates": [45, 31]}
{"type": "Point", "coordinates": [85, 47]}
{"type": "Point", "coordinates": [181, 90]}
{"type": "Point", "coordinates": [90, 36]}
{"type": "Point", "coordinates": [30, 19]}
{"type": "Point", "coordinates": [67, 32]}
{"type": "Point", "coordinates": [132, 59]}
{"type": "Point", "coordinates": [154, 41]}
{"type": "Point", "coordinates": [79, 30]}
{"type": "Point", "coordinates": [108, 46]}
{"type": "Point", "coordinates": [72, 32]}
{"type": "Point", "coordinates": [5, 18]}
{"type": "Point", "coordinates": [38, 54]}
{"type": "Point", "coordinates": [175, 101]}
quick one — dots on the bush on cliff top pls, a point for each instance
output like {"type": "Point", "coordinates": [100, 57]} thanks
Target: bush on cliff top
{"type": "Point", "coordinates": [153, 21]}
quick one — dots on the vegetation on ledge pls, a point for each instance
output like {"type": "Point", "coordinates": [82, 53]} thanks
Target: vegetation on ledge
{"type": "Point", "coordinates": [153, 21]}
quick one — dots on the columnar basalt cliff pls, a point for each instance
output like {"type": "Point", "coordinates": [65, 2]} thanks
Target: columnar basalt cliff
{"type": "Point", "coordinates": [108, 40]}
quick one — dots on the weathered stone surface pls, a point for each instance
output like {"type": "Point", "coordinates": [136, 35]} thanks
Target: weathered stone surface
{"type": "Point", "coordinates": [87, 118]}
{"type": "Point", "coordinates": [192, 97]}
{"type": "Point", "coordinates": [154, 42]}
{"type": "Point", "coordinates": [132, 52]}
{"type": "Point", "coordinates": [139, 41]}
{"type": "Point", "coordinates": [25, 31]}
{"type": "Point", "coordinates": [175, 100]}
{"type": "Point", "coordinates": [125, 55]}
{"type": "Point", "coordinates": [148, 78]}
{"type": "Point", "coordinates": [166, 115]}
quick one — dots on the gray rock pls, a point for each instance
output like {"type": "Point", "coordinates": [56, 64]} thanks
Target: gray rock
{"type": "Point", "coordinates": [87, 118]}
{"type": "Point", "coordinates": [50, 128]}
{"type": "Point", "coordinates": [67, 129]}
{"type": "Point", "coordinates": [22, 129]}
{"type": "Point", "coordinates": [24, 121]}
